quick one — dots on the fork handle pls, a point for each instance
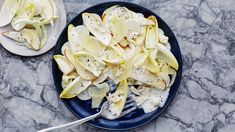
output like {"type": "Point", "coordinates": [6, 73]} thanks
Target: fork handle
{"type": "Point", "coordinates": [71, 124]}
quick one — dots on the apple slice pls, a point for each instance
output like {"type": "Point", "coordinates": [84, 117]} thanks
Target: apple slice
{"type": "Point", "coordinates": [8, 11]}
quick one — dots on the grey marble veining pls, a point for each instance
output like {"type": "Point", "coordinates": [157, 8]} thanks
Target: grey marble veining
{"type": "Point", "coordinates": [205, 30]}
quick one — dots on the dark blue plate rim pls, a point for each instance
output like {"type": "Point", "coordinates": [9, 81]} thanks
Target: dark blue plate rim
{"type": "Point", "coordinates": [176, 83]}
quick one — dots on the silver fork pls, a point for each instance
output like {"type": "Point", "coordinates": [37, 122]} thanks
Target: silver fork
{"type": "Point", "coordinates": [130, 105]}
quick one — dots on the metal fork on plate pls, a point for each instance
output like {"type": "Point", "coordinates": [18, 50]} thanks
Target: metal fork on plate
{"type": "Point", "coordinates": [130, 106]}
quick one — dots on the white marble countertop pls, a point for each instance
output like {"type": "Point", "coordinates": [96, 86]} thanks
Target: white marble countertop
{"type": "Point", "coordinates": [205, 30]}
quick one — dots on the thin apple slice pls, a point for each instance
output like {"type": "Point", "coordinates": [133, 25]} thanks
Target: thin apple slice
{"type": "Point", "coordinates": [75, 88]}
{"type": "Point", "coordinates": [16, 36]}
{"type": "Point", "coordinates": [97, 28]}
{"type": "Point", "coordinates": [8, 11]}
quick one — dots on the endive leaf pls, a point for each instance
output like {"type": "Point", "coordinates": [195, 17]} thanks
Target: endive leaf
{"type": "Point", "coordinates": [117, 105]}
{"type": "Point", "coordinates": [162, 38]}
{"type": "Point", "coordinates": [166, 55]}
{"type": "Point", "coordinates": [90, 62]}
{"type": "Point", "coordinates": [139, 59]}
{"type": "Point", "coordinates": [49, 10]}
{"type": "Point", "coordinates": [68, 77]}
{"type": "Point", "coordinates": [16, 36]}
{"type": "Point", "coordinates": [92, 45]}
{"type": "Point", "coordinates": [26, 12]}
{"type": "Point", "coordinates": [8, 11]}
{"type": "Point", "coordinates": [64, 47]}
{"type": "Point", "coordinates": [101, 78]}
{"type": "Point", "coordinates": [97, 28]}
{"type": "Point", "coordinates": [98, 93]}
{"type": "Point", "coordinates": [80, 70]}
{"type": "Point", "coordinates": [117, 29]}
{"type": "Point", "coordinates": [150, 63]}
{"type": "Point", "coordinates": [75, 88]}
{"type": "Point", "coordinates": [115, 12]}
{"type": "Point", "coordinates": [112, 55]}
{"type": "Point", "coordinates": [37, 4]}
{"type": "Point", "coordinates": [64, 65]}
{"type": "Point", "coordinates": [75, 34]}
{"type": "Point", "coordinates": [151, 38]}
{"type": "Point", "coordinates": [84, 95]}
{"type": "Point", "coordinates": [141, 19]}
{"type": "Point", "coordinates": [144, 76]}
{"type": "Point", "coordinates": [132, 26]}
{"type": "Point", "coordinates": [32, 38]}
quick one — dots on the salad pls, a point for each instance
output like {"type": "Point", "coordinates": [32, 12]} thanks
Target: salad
{"type": "Point", "coordinates": [113, 56]}
{"type": "Point", "coordinates": [28, 20]}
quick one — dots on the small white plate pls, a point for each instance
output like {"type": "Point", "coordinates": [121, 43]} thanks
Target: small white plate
{"type": "Point", "coordinates": [53, 34]}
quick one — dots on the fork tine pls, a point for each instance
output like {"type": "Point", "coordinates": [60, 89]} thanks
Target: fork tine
{"type": "Point", "coordinates": [125, 112]}
{"type": "Point", "coordinates": [130, 105]}
{"type": "Point", "coordinates": [130, 100]}
{"type": "Point", "coordinates": [131, 96]}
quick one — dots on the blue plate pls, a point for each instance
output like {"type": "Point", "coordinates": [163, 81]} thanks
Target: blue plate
{"type": "Point", "coordinates": [136, 118]}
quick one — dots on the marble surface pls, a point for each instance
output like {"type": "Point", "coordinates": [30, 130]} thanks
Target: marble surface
{"type": "Point", "coordinates": [205, 30]}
